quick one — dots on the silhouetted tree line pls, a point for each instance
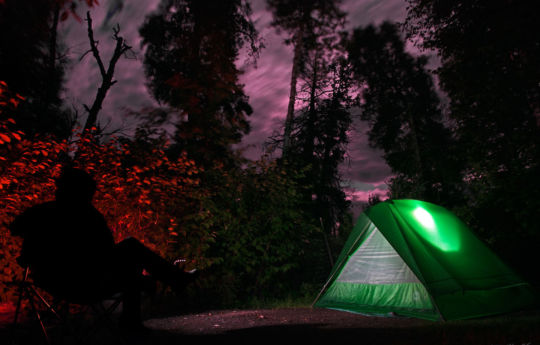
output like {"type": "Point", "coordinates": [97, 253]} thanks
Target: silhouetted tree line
{"type": "Point", "coordinates": [479, 156]}
{"type": "Point", "coordinates": [272, 227]}
{"type": "Point", "coordinates": [489, 54]}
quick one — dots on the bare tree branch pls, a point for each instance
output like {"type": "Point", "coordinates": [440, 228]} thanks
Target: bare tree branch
{"type": "Point", "coordinates": [106, 75]}
{"type": "Point", "coordinates": [85, 53]}
{"type": "Point", "coordinates": [93, 44]}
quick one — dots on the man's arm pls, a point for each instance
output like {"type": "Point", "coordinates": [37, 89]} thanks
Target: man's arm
{"type": "Point", "coordinates": [26, 223]}
{"type": "Point", "coordinates": [105, 233]}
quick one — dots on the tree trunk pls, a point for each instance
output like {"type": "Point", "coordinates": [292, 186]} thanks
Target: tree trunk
{"type": "Point", "coordinates": [292, 95]}
{"type": "Point", "coordinates": [310, 130]}
{"type": "Point", "coordinates": [96, 106]}
{"type": "Point", "coordinates": [106, 75]}
{"type": "Point", "coordinates": [49, 93]}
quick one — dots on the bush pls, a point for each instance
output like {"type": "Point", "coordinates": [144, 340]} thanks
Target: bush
{"type": "Point", "coordinates": [143, 201]}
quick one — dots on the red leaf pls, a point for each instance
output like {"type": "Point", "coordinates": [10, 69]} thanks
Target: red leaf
{"type": "Point", "coordinates": [5, 138]}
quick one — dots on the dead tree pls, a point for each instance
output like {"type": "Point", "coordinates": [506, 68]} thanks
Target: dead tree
{"type": "Point", "coordinates": [106, 75]}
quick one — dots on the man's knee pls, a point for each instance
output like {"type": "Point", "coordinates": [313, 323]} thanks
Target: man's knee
{"type": "Point", "coordinates": [129, 248]}
{"type": "Point", "coordinates": [130, 242]}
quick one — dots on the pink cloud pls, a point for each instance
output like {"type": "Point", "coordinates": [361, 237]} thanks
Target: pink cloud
{"type": "Point", "coordinates": [362, 196]}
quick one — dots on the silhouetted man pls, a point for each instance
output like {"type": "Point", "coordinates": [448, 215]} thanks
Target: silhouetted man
{"type": "Point", "coordinates": [72, 253]}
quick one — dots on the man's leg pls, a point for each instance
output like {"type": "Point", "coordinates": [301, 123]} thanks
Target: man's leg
{"type": "Point", "coordinates": [127, 277]}
{"type": "Point", "coordinates": [132, 257]}
{"type": "Point", "coordinates": [134, 254]}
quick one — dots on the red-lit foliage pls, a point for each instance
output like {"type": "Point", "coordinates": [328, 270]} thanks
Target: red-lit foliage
{"type": "Point", "coordinates": [142, 193]}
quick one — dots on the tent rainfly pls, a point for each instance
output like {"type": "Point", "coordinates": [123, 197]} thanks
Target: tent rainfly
{"type": "Point", "coordinates": [416, 259]}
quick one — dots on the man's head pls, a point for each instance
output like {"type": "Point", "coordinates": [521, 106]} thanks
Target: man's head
{"type": "Point", "coordinates": [75, 185]}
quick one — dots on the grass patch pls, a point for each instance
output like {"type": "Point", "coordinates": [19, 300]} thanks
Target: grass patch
{"type": "Point", "coordinates": [276, 303]}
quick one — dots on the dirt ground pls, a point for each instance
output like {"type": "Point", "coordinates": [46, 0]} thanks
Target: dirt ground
{"type": "Point", "coordinates": [308, 326]}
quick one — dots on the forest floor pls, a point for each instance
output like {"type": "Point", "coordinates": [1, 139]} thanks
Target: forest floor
{"type": "Point", "coordinates": [309, 326]}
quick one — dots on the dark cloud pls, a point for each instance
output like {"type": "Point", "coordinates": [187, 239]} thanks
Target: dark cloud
{"type": "Point", "coordinates": [364, 163]}
{"type": "Point", "coordinates": [365, 12]}
{"type": "Point", "coordinates": [267, 85]}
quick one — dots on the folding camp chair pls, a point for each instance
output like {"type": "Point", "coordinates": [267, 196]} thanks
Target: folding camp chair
{"type": "Point", "coordinates": [54, 312]}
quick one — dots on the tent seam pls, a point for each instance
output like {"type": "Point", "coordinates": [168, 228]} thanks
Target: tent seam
{"type": "Point", "coordinates": [396, 214]}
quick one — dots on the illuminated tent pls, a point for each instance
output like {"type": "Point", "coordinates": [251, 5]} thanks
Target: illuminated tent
{"type": "Point", "coordinates": [417, 259]}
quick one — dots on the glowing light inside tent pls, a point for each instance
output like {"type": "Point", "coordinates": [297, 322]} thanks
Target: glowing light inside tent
{"type": "Point", "coordinates": [424, 218]}
{"type": "Point", "coordinates": [439, 234]}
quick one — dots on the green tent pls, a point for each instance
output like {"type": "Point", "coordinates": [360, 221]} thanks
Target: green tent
{"type": "Point", "coordinates": [417, 259]}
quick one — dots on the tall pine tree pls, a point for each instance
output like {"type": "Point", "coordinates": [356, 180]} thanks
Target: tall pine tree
{"type": "Point", "coordinates": [490, 56]}
{"type": "Point", "coordinates": [31, 65]}
{"type": "Point", "coordinates": [192, 46]}
{"type": "Point", "coordinates": [308, 24]}
{"type": "Point", "coordinates": [399, 101]}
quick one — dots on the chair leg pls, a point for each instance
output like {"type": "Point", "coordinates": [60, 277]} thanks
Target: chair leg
{"type": "Point", "coordinates": [22, 290]}
{"type": "Point", "coordinates": [38, 315]}
{"type": "Point", "coordinates": [100, 319]}
{"type": "Point", "coordinates": [103, 313]}
{"type": "Point", "coordinates": [18, 308]}
{"type": "Point", "coordinates": [48, 305]}
{"type": "Point", "coordinates": [27, 291]}
{"type": "Point", "coordinates": [16, 317]}
{"type": "Point", "coordinates": [38, 304]}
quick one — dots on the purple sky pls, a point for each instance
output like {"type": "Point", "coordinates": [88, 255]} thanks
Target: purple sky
{"type": "Point", "coordinates": [267, 85]}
